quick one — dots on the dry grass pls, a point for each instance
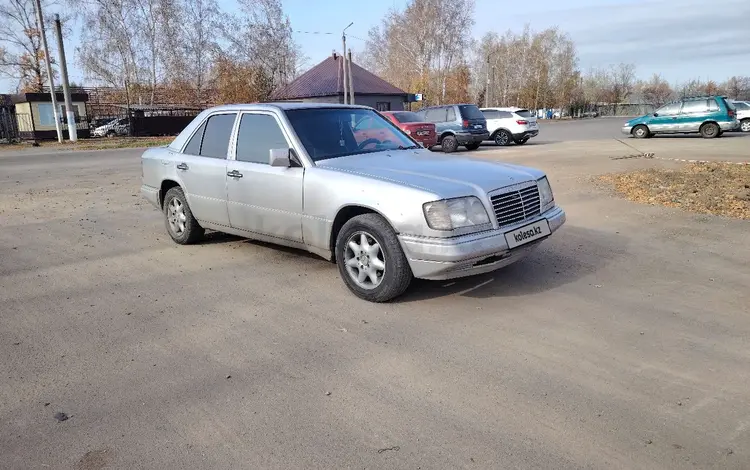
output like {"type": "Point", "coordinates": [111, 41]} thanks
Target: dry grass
{"type": "Point", "coordinates": [100, 143]}
{"type": "Point", "coordinates": [706, 188]}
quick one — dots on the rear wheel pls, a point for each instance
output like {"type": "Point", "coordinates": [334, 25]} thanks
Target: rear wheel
{"type": "Point", "coordinates": [710, 130]}
{"type": "Point", "coordinates": [745, 125]}
{"type": "Point", "coordinates": [503, 138]}
{"type": "Point", "coordinates": [181, 225]}
{"type": "Point", "coordinates": [449, 144]}
{"type": "Point", "coordinates": [641, 132]}
{"type": "Point", "coordinates": [370, 259]}
{"type": "Point", "coordinates": [472, 146]}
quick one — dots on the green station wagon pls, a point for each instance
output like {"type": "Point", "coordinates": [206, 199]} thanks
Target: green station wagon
{"type": "Point", "coordinates": [710, 116]}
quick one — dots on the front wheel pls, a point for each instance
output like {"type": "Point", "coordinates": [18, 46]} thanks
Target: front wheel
{"type": "Point", "coordinates": [472, 146]}
{"type": "Point", "coordinates": [745, 125]}
{"type": "Point", "coordinates": [449, 144]}
{"type": "Point", "coordinates": [503, 138]}
{"type": "Point", "coordinates": [641, 132]}
{"type": "Point", "coordinates": [710, 130]}
{"type": "Point", "coordinates": [370, 259]}
{"type": "Point", "coordinates": [181, 225]}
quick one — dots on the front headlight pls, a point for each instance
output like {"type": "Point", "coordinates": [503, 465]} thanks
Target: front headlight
{"type": "Point", "coordinates": [450, 214]}
{"type": "Point", "coordinates": [546, 199]}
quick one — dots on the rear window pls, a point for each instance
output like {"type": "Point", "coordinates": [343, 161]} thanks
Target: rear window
{"type": "Point", "coordinates": [741, 106]}
{"type": "Point", "coordinates": [729, 104]}
{"type": "Point", "coordinates": [407, 116]}
{"type": "Point", "coordinates": [524, 113]}
{"type": "Point", "coordinates": [469, 111]}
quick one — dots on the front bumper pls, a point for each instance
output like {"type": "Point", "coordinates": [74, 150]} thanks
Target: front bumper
{"type": "Point", "coordinates": [464, 138]}
{"type": "Point", "coordinates": [447, 258]}
{"type": "Point", "coordinates": [627, 130]}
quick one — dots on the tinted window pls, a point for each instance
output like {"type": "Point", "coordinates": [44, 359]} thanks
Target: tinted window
{"type": "Point", "coordinates": [729, 104]}
{"type": "Point", "coordinates": [490, 114]}
{"type": "Point", "coordinates": [194, 146]}
{"type": "Point", "coordinates": [451, 115]}
{"type": "Point", "coordinates": [258, 134]}
{"type": "Point", "coordinates": [695, 107]}
{"type": "Point", "coordinates": [332, 132]}
{"type": "Point", "coordinates": [505, 114]}
{"type": "Point", "coordinates": [670, 109]}
{"type": "Point", "coordinates": [435, 115]}
{"type": "Point", "coordinates": [216, 138]}
{"type": "Point", "coordinates": [524, 113]}
{"type": "Point", "coordinates": [741, 106]}
{"type": "Point", "coordinates": [469, 111]}
{"type": "Point", "coordinates": [407, 116]}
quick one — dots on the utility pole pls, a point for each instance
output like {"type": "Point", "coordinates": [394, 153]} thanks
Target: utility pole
{"type": "Point", "coordinates": [72, 130]}
{"type": "Point", "coordinates": [343, 62]}
{"type": "Point", "coordinates": [351, 78]}
{"type": "Point", "coordinates": [43, 35]}
{"type": "Point", "coordinates": [487, 93]}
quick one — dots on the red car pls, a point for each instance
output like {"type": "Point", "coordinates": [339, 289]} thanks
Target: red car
{"type": "Point", "coordinates": [412, 124]}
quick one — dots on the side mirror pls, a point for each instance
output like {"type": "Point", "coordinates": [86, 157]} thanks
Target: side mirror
{"type": "Point", "coordinates": [280, 157]}
{"type": "Point", "coordinates": [656, 114]}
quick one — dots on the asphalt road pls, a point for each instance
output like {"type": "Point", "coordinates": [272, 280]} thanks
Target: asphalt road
{"type": "Point", "coordinates": [622, 342]}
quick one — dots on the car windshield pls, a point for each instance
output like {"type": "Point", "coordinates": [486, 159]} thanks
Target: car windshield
{"type": "Point", "coordinates": [339, 132]}
{"type": "Point", "coordinates": [469, 111]}
{"type": "Point", "coordinates": [408, 116]}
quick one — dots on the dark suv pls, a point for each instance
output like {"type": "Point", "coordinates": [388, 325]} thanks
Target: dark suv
{"type": "Point", "coordinates": [457, 124]}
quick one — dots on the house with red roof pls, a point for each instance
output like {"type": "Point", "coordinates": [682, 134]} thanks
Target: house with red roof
{"type": "Point", "coordinates": [324, 83]}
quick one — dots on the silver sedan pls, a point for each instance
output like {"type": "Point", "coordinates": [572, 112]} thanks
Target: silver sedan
{"type": "Point", "coordinates": [346, 184]}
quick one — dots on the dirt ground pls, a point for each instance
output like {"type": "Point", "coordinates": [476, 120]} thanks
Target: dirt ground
{"type": "Point", "coordinates": [622, 342]}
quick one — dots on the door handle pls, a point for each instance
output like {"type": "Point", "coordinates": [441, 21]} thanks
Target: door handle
{"type": "Point", "coordinates": [234, 174]}
{"type": "Point", "coordinates": [182, 166]}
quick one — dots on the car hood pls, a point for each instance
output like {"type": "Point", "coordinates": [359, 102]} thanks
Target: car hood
{"type": "Point", "coordinates": [445, 175]}
{"type": "Point", "coordinates": [638, 120]}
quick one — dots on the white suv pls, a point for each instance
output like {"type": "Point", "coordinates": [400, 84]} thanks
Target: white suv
{"type": "Point", "coordinates": [507, 125]}
{"type": "Point", "coordinates": [743, 115]}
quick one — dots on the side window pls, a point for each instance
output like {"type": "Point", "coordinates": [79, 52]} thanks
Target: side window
{"type": "Point", "coordinates": [671, 109]}
{"type": "Point", "coordinates": [216, 137]}
{"type": "Point", "coordinates": [194, 146]}
{"type": "Point", "coordinates": [435, 115]}
{"type": "Point", "coordinates": [258, 134]}
{"type": "Point", "coordinates": [491, 114]}
{"type": "Point", "coordinates": [694, 107]}
{"type": "Point", "coordinates": [712, 105]}
{"type": "Point", "coordinates": [505, 115]}
{"type": "Point", "coordinates": [451, 114]}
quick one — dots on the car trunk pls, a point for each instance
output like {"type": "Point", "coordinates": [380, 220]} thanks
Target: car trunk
{"type": "Point", "coordinates": [420, 129]}
{"type": "Point", "coordinates": [526, 115]}
{"type": "Point", "coordinates": [473, 119]}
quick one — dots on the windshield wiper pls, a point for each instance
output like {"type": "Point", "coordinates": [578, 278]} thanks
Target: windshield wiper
{"type": "Point", "coordinates": [411, 147]}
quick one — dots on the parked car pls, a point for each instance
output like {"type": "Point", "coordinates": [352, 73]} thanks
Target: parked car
{"type": "Point", "coordinates": [708, 115]}
{"type": "Point", "coordinates": [113, 128]}
{"type": "Point", "coordinates": [413, 125]}
{"type": "Point", "coordinates": [743, 114]}
{"type": "Point", "coordinates": [294, 174]}
{"type": "Point", "coordinates": [507, 125]}
{"type": "Point", "coordinates": [457, 124]}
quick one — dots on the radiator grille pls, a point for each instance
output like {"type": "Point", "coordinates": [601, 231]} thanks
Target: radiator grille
{"type": "Point", "coordinates": [516, 206]}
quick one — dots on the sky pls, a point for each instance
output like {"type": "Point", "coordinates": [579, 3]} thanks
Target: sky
{"type": "Point", "coordinates": [681, 39]}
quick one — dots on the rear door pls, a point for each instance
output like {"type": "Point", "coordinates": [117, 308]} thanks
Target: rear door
{"type": "Point", "coordinates": [693, 114]}
{"type": "Point", "coordinates": [438, 116]}
{"type": "Point", "coordinates": [202, 168]}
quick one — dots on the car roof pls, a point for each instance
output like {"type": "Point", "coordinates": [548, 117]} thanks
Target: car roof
{"type": "Point", "coordinates": [283, 105]}
{"type": "Point", "coordinates": [512, 109]}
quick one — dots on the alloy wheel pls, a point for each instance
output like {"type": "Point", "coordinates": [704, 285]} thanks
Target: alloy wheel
{"type": "Point", "coordinates": [365, 260]}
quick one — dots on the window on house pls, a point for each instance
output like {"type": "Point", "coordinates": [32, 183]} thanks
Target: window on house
{"type": "Point", "coordinates": [46, 114]}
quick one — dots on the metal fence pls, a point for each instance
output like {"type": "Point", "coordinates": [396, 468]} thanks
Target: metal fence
{"type": "Point", "coordinates": [8, 125]}
{"type": "Point", "coordinates": [138, 121]}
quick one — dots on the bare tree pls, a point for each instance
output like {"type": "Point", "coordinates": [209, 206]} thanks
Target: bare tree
{"type": "Point", "coordinates": [621, 84]}
{"type": "Point", "coordinates": [737, 88]}
{"type": "Point", "coordinates": [22, 58]}
{"type": "Point", "coordinates": [656, 91]}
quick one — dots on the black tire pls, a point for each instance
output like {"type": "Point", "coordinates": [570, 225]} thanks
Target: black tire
{"type": "Point", "coordinates": [397, 274]}
{"type": "Point", "coordinates": [522, 141]}
{"type": "Point", "coordinates": [641, 132]}
{"type": "Point", "coordinates": [745, 125]}
{"type": "Point", "coordinates": [449, 144]}
{"type": "Point", "coordinates": [503, 138]}
{"type": "Point", "coordinates": [710, 130]}
{"type": "Point", "coordinates": [192, 231]}
{"type": "Point", "coordinates": [111, 134]}
{"type": "Point", "coordinates": [472, 146]}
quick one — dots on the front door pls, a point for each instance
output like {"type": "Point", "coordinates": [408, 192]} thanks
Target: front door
{"type": "Point", "coordinates": [202, 169]}
{"type": "Point", "coordinates": [666, 119]}
{"type": "Point", "coordinates": [261, 198]}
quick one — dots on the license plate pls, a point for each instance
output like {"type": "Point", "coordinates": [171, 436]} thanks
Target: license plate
{"type": "Point", "coordinates": [477, 126]}
{"type": "Point", "coordinates": [533, 124]}
{"type": "Point", "coordinates": [527, 233]}
{"type": "Point", "coordinates": [423, 132]}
